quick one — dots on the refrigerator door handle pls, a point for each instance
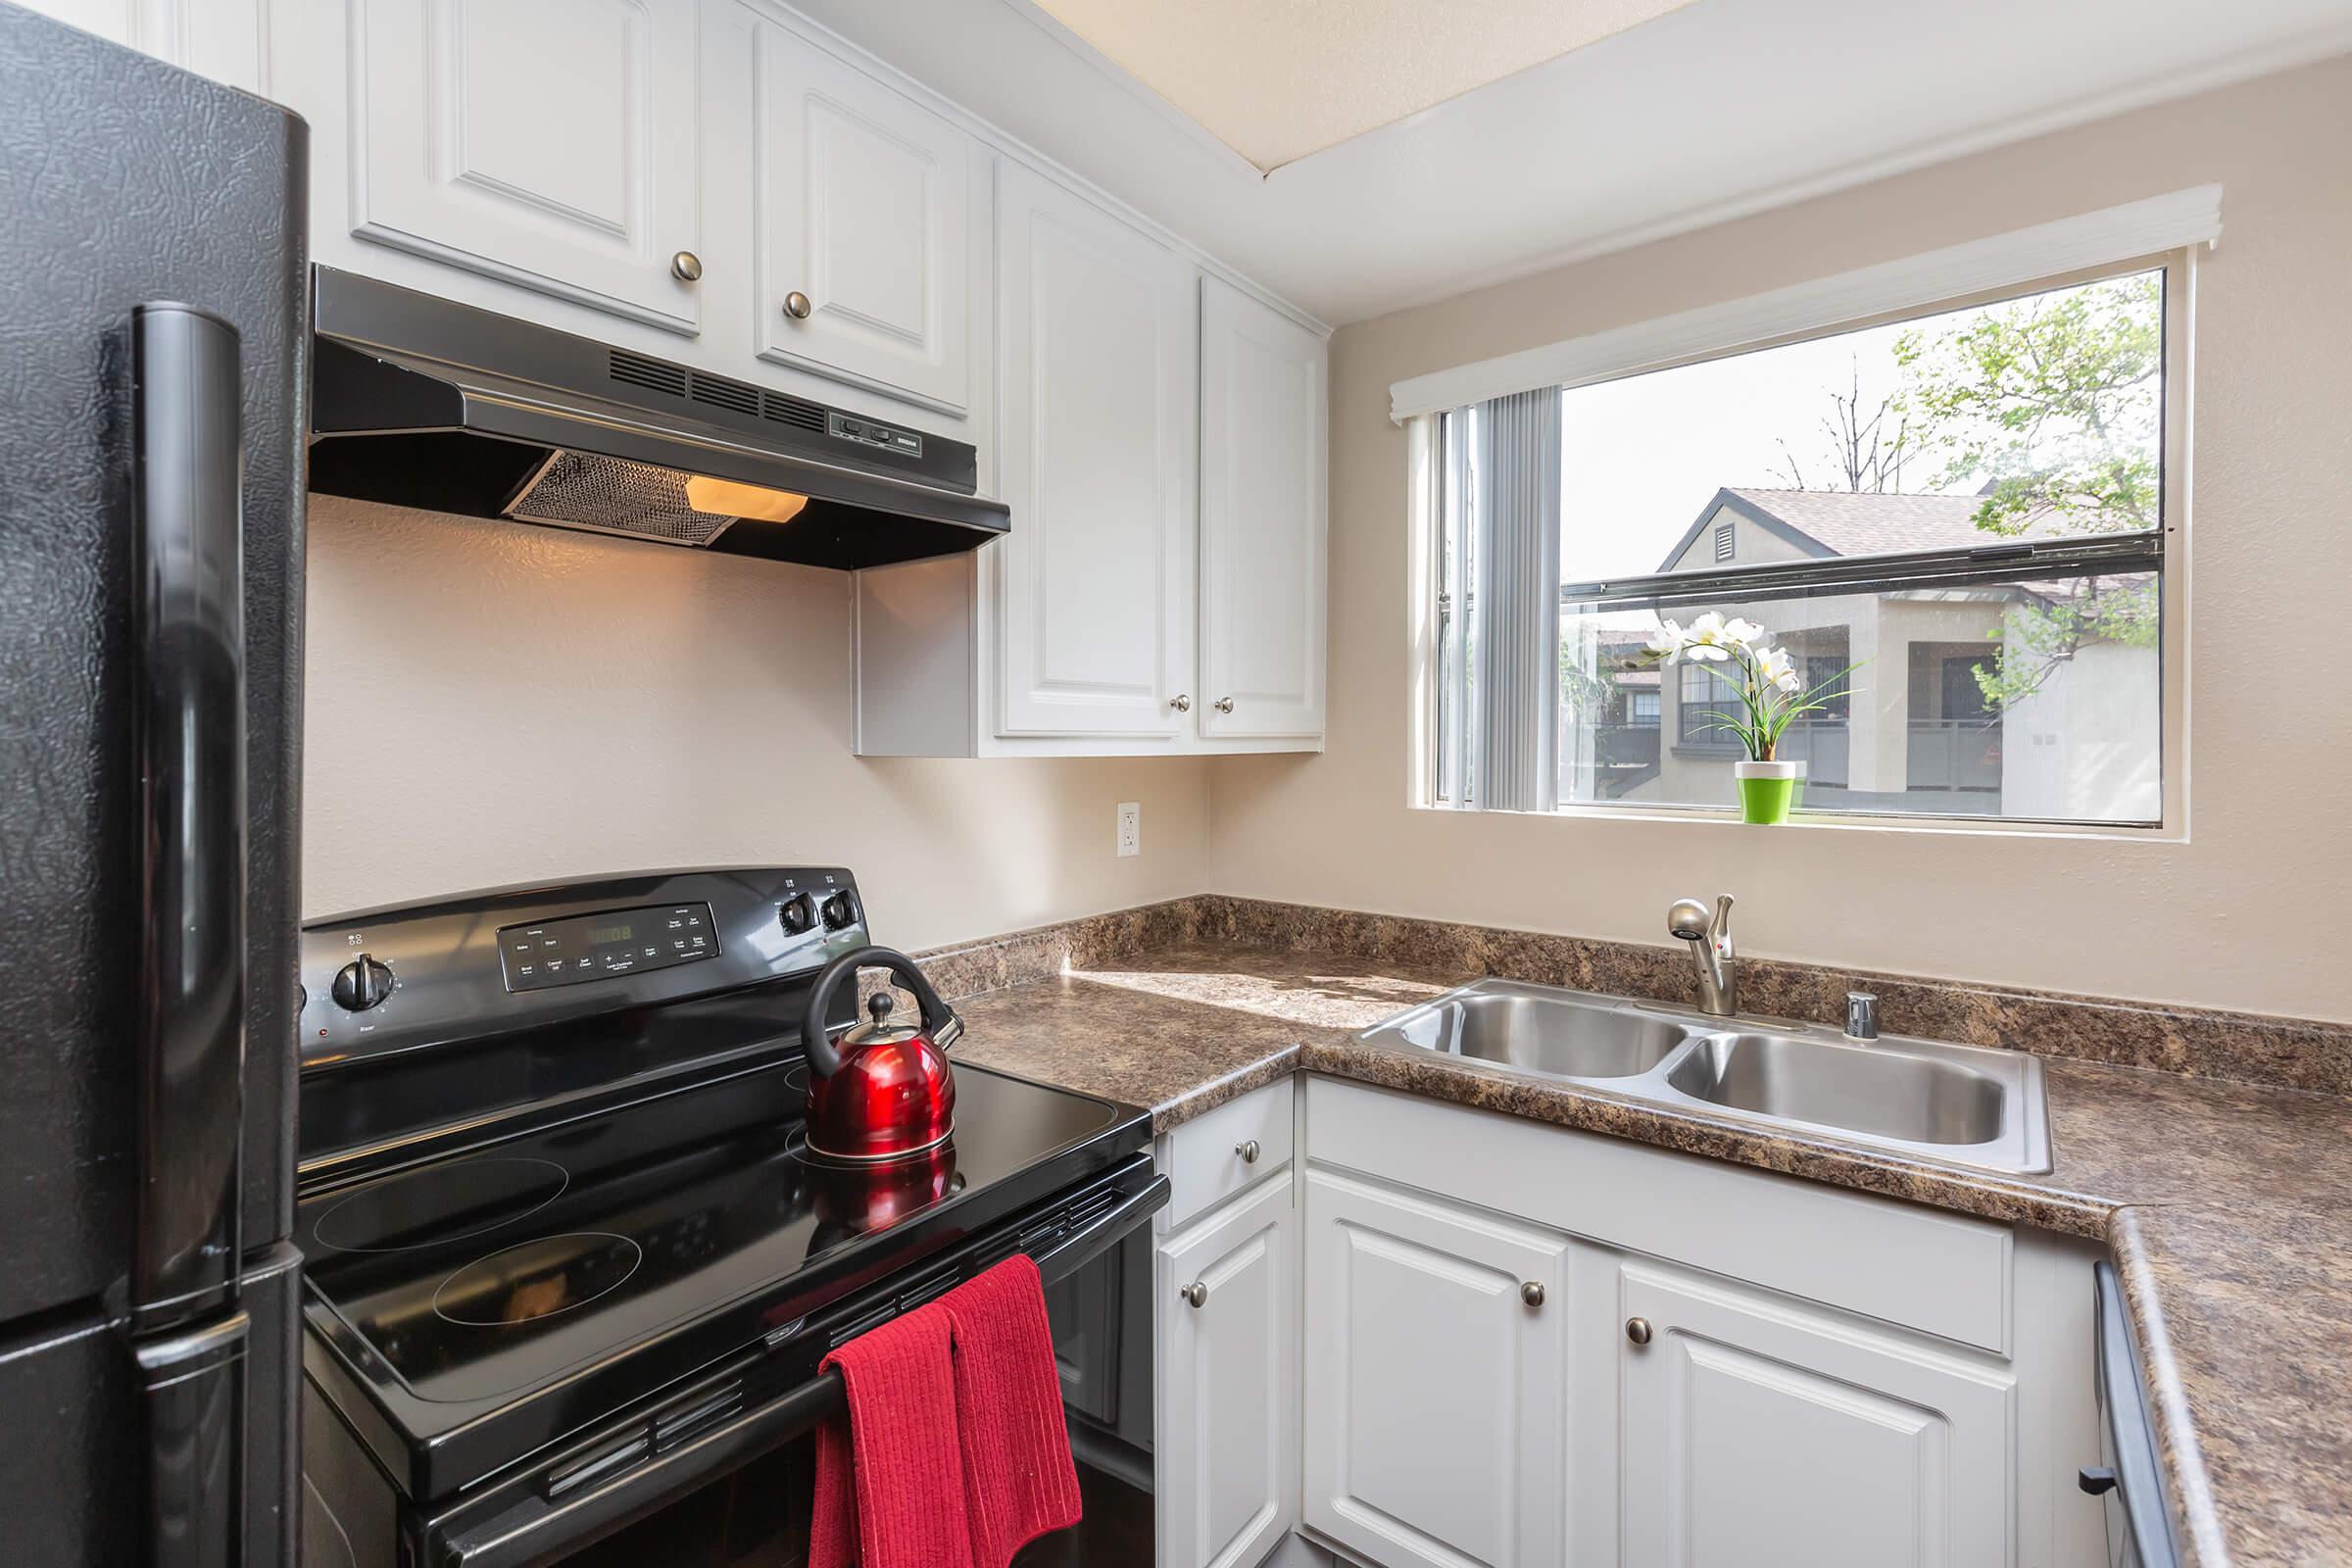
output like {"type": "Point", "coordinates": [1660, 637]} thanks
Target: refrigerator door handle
{"type": "Point", "coordinates": [195, 1392]}
{"type": "Point", "coordinates": [189, 711]}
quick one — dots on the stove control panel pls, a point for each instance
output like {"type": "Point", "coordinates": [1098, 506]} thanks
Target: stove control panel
{"type": "Point", "coordinates": [471, 968]}
{"type": "Point", "coordinates": [590, 947]}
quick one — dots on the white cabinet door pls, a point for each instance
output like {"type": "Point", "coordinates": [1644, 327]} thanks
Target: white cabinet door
{"type": "Point", "coordinates": [1263, 475]}
{"type": "Point", "coordinates": [861, 197]}
{"type": "Point", "coordinates": [1436, 1384]}
{"type": "Point", "coordinates": [550, 143]}
{"type": "Point", "coordinates": [217, 39]}
{"type": "Point", "coordinates": [1099, 337]}
{"type": "Point", "coordinates": [1767, 1434]}
{"type": "Point", "coordinates": [1228, 1397]}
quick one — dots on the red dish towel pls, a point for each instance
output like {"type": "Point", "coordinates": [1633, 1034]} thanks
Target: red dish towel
{"type": "Point", "coordinates": [890, 1477]}
{"type": "Point", "coordinates": [953, 1454]}
{"type": "Point", "coordinates": [1019, 1478]}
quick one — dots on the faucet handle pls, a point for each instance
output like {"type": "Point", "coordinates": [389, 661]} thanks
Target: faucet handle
{"type": "Point", "coordinates": [1861, 1016]}
{"type": "Point", "coordinates": [1721, 930]}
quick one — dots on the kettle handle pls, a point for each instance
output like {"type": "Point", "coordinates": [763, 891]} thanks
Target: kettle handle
{"type": "Point", "coordinates": [939, 1024]}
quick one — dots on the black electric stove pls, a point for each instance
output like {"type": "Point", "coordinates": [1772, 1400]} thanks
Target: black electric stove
{"type": "Point", "coordinates": [567, 1253]}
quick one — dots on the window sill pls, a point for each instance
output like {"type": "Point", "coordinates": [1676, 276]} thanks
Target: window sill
{"type": "Point", "coordinates": [1851, 823]}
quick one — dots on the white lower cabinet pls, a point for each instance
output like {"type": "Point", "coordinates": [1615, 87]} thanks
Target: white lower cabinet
{"type": "Point", "coordinates": [1526, 1344]}
{"type": "Point", "coordinates": [1437, 1393]}
{"type": "Point", "coordinates": [1481, 1341]}
{"type": "Point", "coordinates": [1763, 1433]}
{"type": "Point", "coordinates": [1227, 1398]}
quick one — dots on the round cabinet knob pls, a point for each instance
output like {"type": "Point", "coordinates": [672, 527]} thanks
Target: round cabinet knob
{"type": "Point", "coordinates": [797, 306]}
{"type": "Point", "coordinates": [798, 913]}
{"type": "Point", "coordinates": [360, 984]}
{"type": "Point", "coordinates": [1182, 701]}
{"type": "Point", "coordinates": [686, 267]}
{"type": "Point", "coordinates": [1248, 1151]}
{"type": "Point", "coordinates": [1636, 1329]}
{"type": "Point", "coordinates": [1532, 1293]}
{"type": "Point", "coordinates": [1224, 705]}
{"type": "Point", "coordinates": [1195, 1294]}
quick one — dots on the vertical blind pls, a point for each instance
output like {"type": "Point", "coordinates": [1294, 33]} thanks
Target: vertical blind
{"type": "Point", "coordinates": [1507, 488]}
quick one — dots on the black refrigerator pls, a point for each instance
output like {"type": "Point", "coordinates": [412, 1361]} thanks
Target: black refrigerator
{"type": "Point", "coordinates": [153, 360]}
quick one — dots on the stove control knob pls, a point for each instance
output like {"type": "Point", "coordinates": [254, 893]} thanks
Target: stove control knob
{"type": "Point", "coordinates": [798, 912]}
{"type": "Point", "coordinates": [360, 984]}
{"type": "Point", "coordinates": [840, 909]}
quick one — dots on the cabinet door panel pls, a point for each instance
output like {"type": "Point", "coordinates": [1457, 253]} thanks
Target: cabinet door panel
{"type": "Point", "coordinates": [1435, 1396]}
{"type": "Point", "coordinates": [1764, 1432]}
{"type": "Point", "coordinates": [550, 143]}
{"type": "Point", "coordinates": [863, 196]}
{"type": "Point", "coordinates": [1262, 474]}
{"type": "Point", "coordinates": [1099, 342]}
{"type": "Point", "coordinates": [1226, 1399]}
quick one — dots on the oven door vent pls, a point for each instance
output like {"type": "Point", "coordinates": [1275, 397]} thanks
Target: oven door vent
{"type": "Point", "coordinates": [938, 1285]}
{"type": "Point", "coordinates": [1086, 1210]}
{"type": "Point", "coordinates": [698, 1412]}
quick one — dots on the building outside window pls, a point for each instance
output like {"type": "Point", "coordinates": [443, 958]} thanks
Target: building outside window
{"type": "Point", "coordinates": [1954, 523]}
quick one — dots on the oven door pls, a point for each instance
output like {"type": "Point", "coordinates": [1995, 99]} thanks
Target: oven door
{"type": "Point", "coordinates": [718, 1474]}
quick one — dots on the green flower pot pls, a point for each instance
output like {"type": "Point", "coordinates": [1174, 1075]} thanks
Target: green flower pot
{"type": "Point", "coordinates": [1767, 790]}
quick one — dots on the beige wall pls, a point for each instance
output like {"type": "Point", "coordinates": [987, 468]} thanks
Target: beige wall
{"type": "Point", "coordinates": [490, 703]}
{"type": "Point", "coordinates": [2269, 818]}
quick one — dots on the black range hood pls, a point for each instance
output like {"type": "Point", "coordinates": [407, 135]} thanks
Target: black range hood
{"type": "Point", "coordinates": [422, 402]}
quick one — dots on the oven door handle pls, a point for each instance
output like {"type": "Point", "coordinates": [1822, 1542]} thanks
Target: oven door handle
{"type": "Point", "coordinates": [541, 1531]}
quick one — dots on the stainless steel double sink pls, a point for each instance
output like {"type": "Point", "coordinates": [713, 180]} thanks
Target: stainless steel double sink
{"type": "Point", "coordinates": [1956, 1104]}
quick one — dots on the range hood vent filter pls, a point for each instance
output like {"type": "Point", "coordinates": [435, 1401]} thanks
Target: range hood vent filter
{"type": "Point", "coordinates": [613, 495]}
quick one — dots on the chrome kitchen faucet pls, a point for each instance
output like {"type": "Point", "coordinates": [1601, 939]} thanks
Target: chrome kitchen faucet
{"type": "Point", "coordinates": [1711, 945]}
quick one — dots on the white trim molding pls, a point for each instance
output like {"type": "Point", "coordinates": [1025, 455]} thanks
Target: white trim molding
{"type": "Point", "coordinates": [2159, 224]}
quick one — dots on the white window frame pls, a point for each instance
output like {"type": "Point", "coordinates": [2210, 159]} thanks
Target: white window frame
{"type": "Point", "coordinates": [2165, 231]}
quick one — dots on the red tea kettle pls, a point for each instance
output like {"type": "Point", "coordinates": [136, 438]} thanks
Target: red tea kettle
{"type": "Point", "coordinates": [883, 1092]}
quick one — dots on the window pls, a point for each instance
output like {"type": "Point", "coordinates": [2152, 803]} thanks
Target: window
{"type": "Point", "coordinates": [1953, 523]}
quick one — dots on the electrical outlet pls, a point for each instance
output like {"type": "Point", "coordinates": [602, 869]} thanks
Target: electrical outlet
{"type": "Point", "coordinates": [1131, 827]}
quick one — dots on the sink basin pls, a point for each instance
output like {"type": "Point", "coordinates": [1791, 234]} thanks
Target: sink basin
{"type": "Point", "coordinates": [1557, 1034]}
{"type": "Point", "coordinates": [1861, 1088]}
{"type": "Point", "coordinates": [1955, 1105]}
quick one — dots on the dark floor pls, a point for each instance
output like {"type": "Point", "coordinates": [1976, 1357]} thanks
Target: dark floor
{"type": "Point", "coordinates": [1116, 1532]}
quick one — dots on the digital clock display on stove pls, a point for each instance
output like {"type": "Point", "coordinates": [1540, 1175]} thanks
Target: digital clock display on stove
{"type": "Point", "coordinates": [606, 943]}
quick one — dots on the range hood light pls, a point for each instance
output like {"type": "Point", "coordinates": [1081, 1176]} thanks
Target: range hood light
{"type": "Point", "coordinates": [729, 499]}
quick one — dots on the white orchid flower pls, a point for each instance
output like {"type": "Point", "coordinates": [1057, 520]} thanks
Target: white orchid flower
{"type": "Point", "coordinates": [1712, 638]}
{"type": "Point", "coordinates": [1666, 644]}
{"type": "Point", "coordinates": [1776, 668]}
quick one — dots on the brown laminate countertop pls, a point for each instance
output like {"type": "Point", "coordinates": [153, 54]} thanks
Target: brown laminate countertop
{"type": "Point", "coordinates": [2229, 1208]}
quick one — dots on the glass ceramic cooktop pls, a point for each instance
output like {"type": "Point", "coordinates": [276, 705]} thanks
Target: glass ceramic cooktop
{"type": "Point", "coordinates": [482, 1274]}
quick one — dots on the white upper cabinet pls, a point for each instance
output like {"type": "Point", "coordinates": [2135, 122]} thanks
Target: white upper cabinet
{"type": "Point", "coordinates": [1262, 476]}
{"type": "Point", "coordinates": [1097, 330]}
{"type": "Point", "coordinates": [863, 198]}
{"type": "Point", "coordinates": [724, 184]}
{"type": "Point", "coordinates": [548, 143]}
{"type": "Point", "coordinates": [218, 39]}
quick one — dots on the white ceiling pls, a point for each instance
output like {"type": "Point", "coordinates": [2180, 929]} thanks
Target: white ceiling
{"type": "Point", "coordinates": [1278, 79]}
{"type": "Point", "coordinates": [1720, 108]}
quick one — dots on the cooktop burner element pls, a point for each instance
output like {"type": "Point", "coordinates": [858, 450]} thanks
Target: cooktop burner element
{"type": "Point", "coordinates": [537, 1279]}
{"type": "Point", "coordinates": [440, 1203]}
